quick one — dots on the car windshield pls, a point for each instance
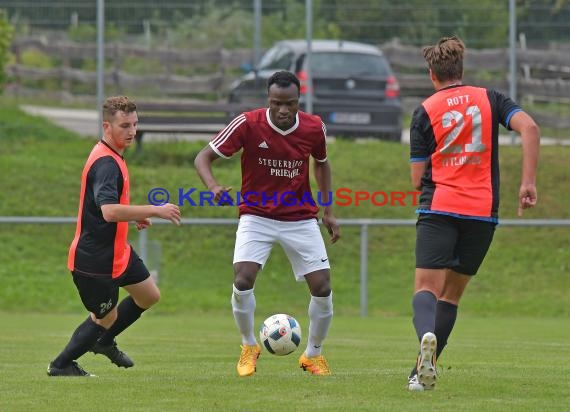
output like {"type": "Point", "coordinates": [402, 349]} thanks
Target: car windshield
{"type": "Point", "coordinates": [348, 64]}
{"type": "Point", "coordinates": [277, 58]}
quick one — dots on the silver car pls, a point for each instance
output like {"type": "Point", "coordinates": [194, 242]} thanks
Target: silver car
{"type": "Point", "coordinates": [355, 90]}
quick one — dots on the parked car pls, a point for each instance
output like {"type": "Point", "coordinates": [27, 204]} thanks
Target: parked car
{"type": "Point", "coordinates": [355, 90]}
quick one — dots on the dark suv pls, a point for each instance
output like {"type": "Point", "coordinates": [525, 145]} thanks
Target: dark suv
{"type": "Point", "coordinates": [355, 91]}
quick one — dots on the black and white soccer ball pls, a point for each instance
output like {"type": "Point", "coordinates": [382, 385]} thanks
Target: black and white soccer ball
{"type": "Point", "coordinates": [280, 334]}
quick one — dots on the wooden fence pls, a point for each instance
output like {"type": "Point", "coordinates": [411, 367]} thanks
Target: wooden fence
{"type": "Point", "coordinates": [214, 63]}
{"type": "Point", "coordinates": [547, 71]}
{"type": "Point", "coordinates": [544, 75]}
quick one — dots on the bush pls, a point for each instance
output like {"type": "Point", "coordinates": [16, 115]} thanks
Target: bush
{"type": "Point", "coordinates": [6, 31]}
{"type": "Point", "coordinates": [87, 33]}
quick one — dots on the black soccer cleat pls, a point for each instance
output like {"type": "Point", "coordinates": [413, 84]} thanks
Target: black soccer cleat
{"type": "Point", "coordinates": [72, 369]}
{"type": "Point", "coordinates": [117, 356]}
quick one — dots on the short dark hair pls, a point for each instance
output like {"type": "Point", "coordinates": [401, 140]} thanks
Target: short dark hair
{"type": "Point", "coordinates": [283, 79]}
{"type": "Point", "coordinates": [115, 104]}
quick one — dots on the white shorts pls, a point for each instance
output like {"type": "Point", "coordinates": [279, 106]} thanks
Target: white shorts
{"type": "Point", "coordinates": [301, 241]}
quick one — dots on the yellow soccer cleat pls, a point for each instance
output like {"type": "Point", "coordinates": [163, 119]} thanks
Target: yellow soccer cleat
{"type": "Point", "coordinates": [248, 360]}
{"type": "Point", "coordinates": [316, 366]}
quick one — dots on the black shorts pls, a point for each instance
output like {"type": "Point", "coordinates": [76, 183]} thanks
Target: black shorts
{"type": "Point", "coordinates": [447, 242]}
{"type": "Point", "coordinates": [101, 294]}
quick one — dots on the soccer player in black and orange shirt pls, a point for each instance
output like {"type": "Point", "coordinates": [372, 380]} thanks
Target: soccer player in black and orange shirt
{"type": "Point", "coordinates": [454, 162]}
{"type": "Point", "coordinates": [100, 259]}
{"type": "Point", "coordinates": [277, 143]}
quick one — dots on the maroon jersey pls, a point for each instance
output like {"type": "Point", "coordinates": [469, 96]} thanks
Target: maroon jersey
{"type": "Point", "coordinates": [456, 131]}
{"type": "Point", "coordinates": [274, 163]}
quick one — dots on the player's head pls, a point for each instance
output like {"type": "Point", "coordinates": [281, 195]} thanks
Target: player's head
{"type": "Point", "coordinates": [445, 59]}
{"type": "Point", "coordinates": [119, 121]}
{"type": "Point", "coordinates": [283, 79]}
{"type": "Point", "coordinates": [115, 104]}
{"type": "Point", "coordinates": [283, 90]}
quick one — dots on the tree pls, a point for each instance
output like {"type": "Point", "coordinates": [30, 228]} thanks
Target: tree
{"type": "Point", "coordinates": [481, 23]}
{"type": "Point", "coordinates": [6, 31]}
{"type": "Point", "coordinates": [544, 21]}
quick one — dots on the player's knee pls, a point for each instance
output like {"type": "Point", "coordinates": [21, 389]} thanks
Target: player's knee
{"type": "Point", "coordinates": [150, 299]}
{"type": "Point", "coordinates": [321, 291]}
{"type": "Point", "coordinates": [153, 298]}
{"type": "Point", "coordinates": [244, 278]}
{"type": "Point", "coordinates": [245, 274]}
{"type": "Point", "coordinates": [243, 283]}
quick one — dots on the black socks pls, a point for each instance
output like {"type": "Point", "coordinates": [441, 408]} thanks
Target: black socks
{"type": "Point", "coordinates": [424, 304]}
{"type": "Point", "coordinates": [446, 313]}
{"type": "Point", "coordinates": [426, 309]}
{"type": "Point", "coordinates": [127, 313]}
{"type": "Point", "coordinates": [82, 339]}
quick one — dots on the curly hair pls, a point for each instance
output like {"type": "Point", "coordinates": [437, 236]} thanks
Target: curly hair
{"type": "Point", "coordinates": [445, 59]}
{"type": "Point", "coordinates": [115, 104]}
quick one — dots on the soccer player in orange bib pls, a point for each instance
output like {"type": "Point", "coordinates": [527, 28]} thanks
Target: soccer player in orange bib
{"type": "Point", "coordinates": [277, 207]}
{"type": "Point", "coordinates": [100, 258]}
{"type": "Point", "coordinates": [454, 162]}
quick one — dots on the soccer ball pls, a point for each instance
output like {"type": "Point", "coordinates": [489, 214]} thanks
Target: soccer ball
{"type": "Point", "coordinates": [280, 334]}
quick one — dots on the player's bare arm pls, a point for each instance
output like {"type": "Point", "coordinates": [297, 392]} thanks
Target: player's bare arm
{"type": "Point", "coordinates": [322, 171]}
{"type": "Point", "coordinates": [203, 164]}
{"type": "Point", "coordinates": [417, 170]}
{"type": "Point", "coordinates": [137, 213]}
{"type": "Point", "coordinates": [530, 137]}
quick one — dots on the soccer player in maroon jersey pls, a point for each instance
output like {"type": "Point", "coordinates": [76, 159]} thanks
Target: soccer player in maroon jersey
{"type": "Point", "coordinates": [100, 259]}
{"type": "Point", "coordinates": [454, 162]}
{"type": "Point", "coordinates": [277, 207]}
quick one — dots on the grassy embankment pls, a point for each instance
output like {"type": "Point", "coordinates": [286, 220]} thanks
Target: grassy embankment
{"type": "Point", "coordinates": [40, 166]}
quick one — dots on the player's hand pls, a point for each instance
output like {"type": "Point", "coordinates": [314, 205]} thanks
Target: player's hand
{"type": "Point", "coordinates": [221, 193]}
{"type": "Point", "coordinates": [329, 221]}
{"type": "Point", "coordinates": [171, 212]}
{"type": "Point", "coordinates": [143, 224]}
{"type": "Point", "coordinates": [527, 197]}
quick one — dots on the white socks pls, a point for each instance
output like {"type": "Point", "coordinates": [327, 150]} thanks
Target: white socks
{"type": "Point", "coordinates": [320, 316]}
{"type": "Point", "coordinates": [243, 307]}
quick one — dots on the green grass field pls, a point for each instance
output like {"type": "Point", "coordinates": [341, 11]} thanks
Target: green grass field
{"type": "Point", "coordinates": [188, 363]}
